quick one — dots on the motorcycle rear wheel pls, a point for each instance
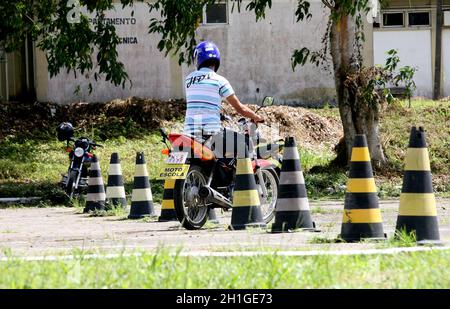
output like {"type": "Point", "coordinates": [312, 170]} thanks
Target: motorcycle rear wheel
{"type": "Point", "coordinates": [191, 210]}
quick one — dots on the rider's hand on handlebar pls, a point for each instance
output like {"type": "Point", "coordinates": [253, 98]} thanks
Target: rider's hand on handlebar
{"type": "Point", "coordinates": [258, 119]}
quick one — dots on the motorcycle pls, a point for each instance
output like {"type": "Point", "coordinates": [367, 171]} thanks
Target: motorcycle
{"type": "Point", "coordinates": [80, 155]}
{"type": "Point", "coordinates": [204, 172]}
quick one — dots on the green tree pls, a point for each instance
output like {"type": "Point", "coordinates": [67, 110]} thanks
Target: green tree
{"type": "Point", "coordinates": [66, 36]}
{"type": "Point", "coordinates": [343, 40]}
{"type": "Point", "coordinates": [72, 43]}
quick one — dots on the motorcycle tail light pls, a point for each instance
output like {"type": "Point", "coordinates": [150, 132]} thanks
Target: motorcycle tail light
{"type": "Point", "coordinates": [90, 155]}
{"type": "Point", "coordinates": [165, 151]}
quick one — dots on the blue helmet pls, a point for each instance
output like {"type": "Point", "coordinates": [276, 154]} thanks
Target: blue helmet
{"type": "Point", "coordinates": [207, 54]}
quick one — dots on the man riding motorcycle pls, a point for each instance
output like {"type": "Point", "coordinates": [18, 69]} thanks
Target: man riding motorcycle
{"type": "Point", "coordinates": [201, 161]}
{"type": "Point", "coordinates": [205, 90]}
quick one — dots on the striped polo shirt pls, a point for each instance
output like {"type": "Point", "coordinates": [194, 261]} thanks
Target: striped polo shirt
{"type": "Point", "coordinates": [204, 92]}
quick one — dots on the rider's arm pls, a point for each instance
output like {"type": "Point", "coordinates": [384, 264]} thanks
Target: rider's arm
{"type": "Point", "coordinates": [242, 109]}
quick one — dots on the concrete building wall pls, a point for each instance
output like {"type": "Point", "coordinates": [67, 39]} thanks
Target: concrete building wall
{"type": "Point", "coordinates": [147, 68]}
{"type": "Point", "coordinates": [414, 49]}
{"type": "Point", "coordinates": [414, 4]}
{"type": "Point", "coordinates": [446, 61]}
{"type": "Point", "coordinates": [256, 60]}
{"type": "Point", "coordinates": [257, 56]}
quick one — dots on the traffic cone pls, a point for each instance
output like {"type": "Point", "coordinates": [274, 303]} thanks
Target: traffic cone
{"type": "Point", "coordinates": [115, 191]}
{"type": "Point", "coordinates": [95, 199]}
{"type": "Point", "coordinates": [246, 205]}
{"type": "Point", "coordinates": [168, 207]}
{"type": "Point", "coordinates": [417, 211]}
{"type": "Point", "coordinates": [362, 216]}
{"type": "Point", "coordinates": [212, 216]}
{"type": "Point", "coordinates": [141, 197]}
{"type": "Point", "coordinates": [292, 208]}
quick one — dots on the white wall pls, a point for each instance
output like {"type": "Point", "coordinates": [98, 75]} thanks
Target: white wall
{"type": "Point", "coordinates": [258, 55]}
{"type": "Point", "coordinates": [147, 68]}
{"type": "Point", "coordinates": [414, 49]}
{"type": "Point", "coordinates": [446, 61]}
{"type": "Point", "coordinates": [255, 55]}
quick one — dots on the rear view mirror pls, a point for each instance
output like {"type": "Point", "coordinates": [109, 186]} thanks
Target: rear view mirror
{"type": "Point", "coordinates": [267, 101]}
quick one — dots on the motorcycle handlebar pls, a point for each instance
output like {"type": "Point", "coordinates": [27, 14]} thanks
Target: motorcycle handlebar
{"type": "Point", "coordinates": [91, 143]}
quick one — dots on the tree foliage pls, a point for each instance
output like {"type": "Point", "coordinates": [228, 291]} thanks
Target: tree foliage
{"type": "Point", "coordinates": [370, 84]}
{"type": "Point", "coordinates": [73, 43]}
{"type": "Point", "coordinates": [69, 40]}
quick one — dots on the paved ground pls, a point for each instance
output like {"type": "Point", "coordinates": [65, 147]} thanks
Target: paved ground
{"type": "Point", "coordinates": [40, 231]}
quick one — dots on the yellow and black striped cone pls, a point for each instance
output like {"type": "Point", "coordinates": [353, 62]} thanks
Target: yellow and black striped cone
{"type": "Point", "coordinates": [362, 215]}
{"type": "Point", "coordinates": [115, 191]}
{"type": "Point", "coordinates": [95, 199]}
{"type": "Point", "coordinates": [141, 197]}
{"type": "Point", "coordinates": [417, 211]}
{"type": "Point", "coordinates": [168, 207]}
{"type": "Point", "coordinates": [292, 209]}
{"type": "Point", "coordinates": [246, 204]}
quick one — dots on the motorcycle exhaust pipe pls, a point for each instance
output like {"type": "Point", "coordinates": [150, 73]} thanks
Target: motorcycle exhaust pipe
{"type": "Point", "coordinates": [212, 196]}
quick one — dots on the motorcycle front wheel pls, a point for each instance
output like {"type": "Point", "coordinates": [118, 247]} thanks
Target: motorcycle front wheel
{"type": "Point", "coordinates": [268, 202]}
{"type": "Point", "coordinates": [191, 209]}
{"type": "Point", "coordinates": [71, 179]}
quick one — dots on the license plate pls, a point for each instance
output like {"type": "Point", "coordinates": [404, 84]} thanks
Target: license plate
{"type": "Point", "coordinates": [174, 171]}
{"type": "Point", "coordinates": [177, 158]}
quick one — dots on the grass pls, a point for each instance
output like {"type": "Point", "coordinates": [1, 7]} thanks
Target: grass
{"type": "Point", "coordinates": [45, 161]}
{"type": "Point", "coordinates": [400, 239]}
{"type": "Point", "coordinates": [115, 211]}
{"type": "Point", "coordinates": [323, 240]}
{"type": "Point", "coordinates": [33, 166]}
{"type": "Point", "coordinates": [433, 116]}
{"type": "Point", "coordinates": [310, 158]}
{"type": "Point", "coordinates": [395, 124]}
{"type": "Point", "coordinates": [161, 270]}
{"type": "Point", "coordinates": [319, 210]}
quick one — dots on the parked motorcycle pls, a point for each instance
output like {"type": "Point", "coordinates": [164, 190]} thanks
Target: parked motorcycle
{"type": "Point", "coordinates": [80, 155]}
{"type": "Point", "coordinates": [204, 169]}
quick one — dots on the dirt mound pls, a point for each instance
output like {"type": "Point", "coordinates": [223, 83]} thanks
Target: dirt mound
{"type": "Point", "coordinates": [124, 117]}
{"type": "Point", "coordinates": [310, 129]}
{"type": "Point", "coordinates": [146, 113]}
{"type": "Point", "coordinates": [24, 118]}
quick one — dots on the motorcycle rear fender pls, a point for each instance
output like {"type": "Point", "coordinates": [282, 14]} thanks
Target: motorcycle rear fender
{"type": "Point", "coordinates": [263, 164]}
{"type": "Point", "coordinates": [182, 142]}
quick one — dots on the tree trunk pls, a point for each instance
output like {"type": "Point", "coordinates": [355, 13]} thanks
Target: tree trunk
{"type": "Point", "coordinates": [357, 117]}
